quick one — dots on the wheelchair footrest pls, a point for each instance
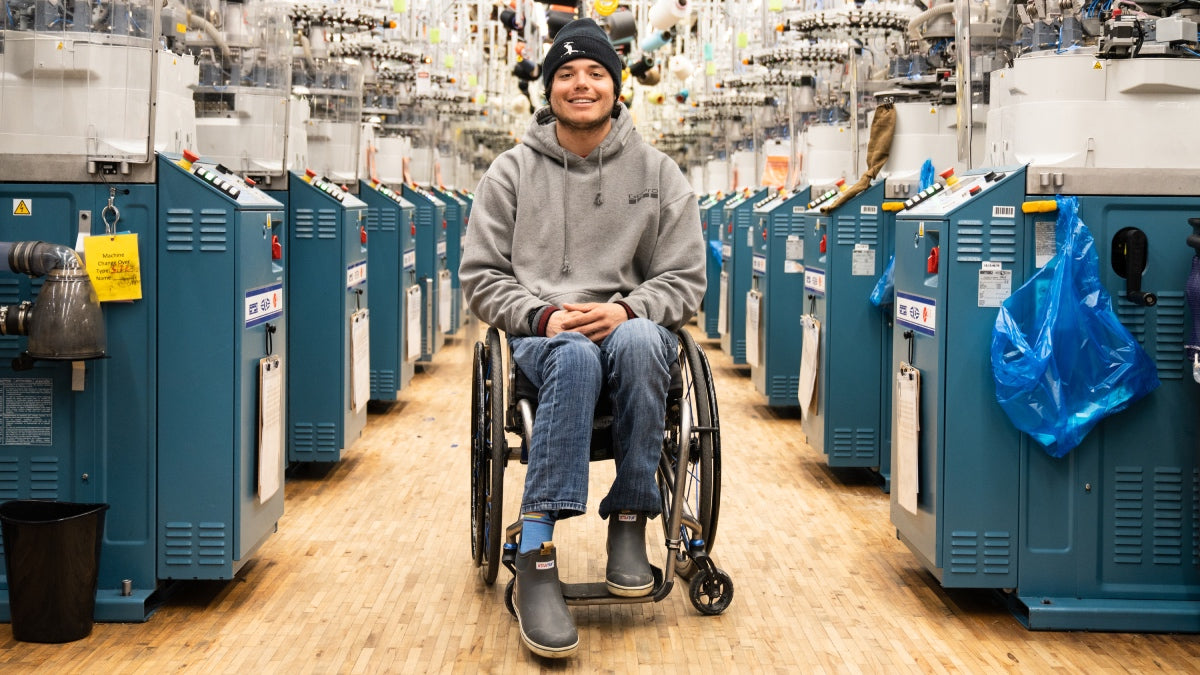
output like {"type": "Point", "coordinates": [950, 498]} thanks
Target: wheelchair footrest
{"type": "Point", "coordinates": [597, 593]}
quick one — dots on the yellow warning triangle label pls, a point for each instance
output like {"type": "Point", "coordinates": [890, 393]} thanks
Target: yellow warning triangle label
{"type": "Point", "coordinates": [20, 208]}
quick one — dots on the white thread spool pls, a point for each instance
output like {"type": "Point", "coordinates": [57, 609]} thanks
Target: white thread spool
{"type": "Point", "coordinates": [682, 67]}
{"type": "Point", "coordinates": [667, 13]}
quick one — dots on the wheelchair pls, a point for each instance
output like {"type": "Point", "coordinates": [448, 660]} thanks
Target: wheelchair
{"type": "Point", "coordinates": [688, 476]}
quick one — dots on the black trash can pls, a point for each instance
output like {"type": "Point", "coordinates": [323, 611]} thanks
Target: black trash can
{"type": "Point", "coordinates": [52, 555]}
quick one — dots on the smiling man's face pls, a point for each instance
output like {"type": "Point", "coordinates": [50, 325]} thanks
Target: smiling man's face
{"type": "Point", "coordinates": [581, 95]}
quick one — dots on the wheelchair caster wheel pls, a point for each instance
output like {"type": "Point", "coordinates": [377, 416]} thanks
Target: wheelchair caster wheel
{"type": "Point", "coordinates": [711, 591]}
{"type": "Point", "coordinates": [508, 596]}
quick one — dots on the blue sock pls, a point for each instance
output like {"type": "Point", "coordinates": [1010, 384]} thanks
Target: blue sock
{"type": "Point", "coordinates": [536, 528]}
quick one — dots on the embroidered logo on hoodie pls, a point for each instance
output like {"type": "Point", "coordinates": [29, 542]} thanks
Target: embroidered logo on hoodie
{"type": "Point", "coordinates": [651, 193]}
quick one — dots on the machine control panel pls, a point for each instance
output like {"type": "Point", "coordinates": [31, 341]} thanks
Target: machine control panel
{"type": "Point", "coordinates": [216, 180]}
{"type": "Point", "coordinates": [329, 189]}
{"type": "Point", "coordinates": [225, 181]}
{"type": "Point", "coordinates": [939, 199]}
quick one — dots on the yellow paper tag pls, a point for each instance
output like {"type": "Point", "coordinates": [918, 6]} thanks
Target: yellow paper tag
{"type": "Point", "coordinates": [435, 36]}
{"type": "Point", "coordinates": [743, 40]}
{"type": "Point", "coordinates": [112, 263]}
{"type": "Point", "coordinates": [400, 6]}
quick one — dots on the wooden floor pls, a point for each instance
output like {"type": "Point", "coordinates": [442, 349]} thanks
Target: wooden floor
{"type": "Point", "coordinates": [370, 572]}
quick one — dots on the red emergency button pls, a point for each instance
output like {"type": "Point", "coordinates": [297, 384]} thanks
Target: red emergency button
{"type": "Point", "coordinates": [276, 248]}
{"type": "Point", "coordinates": [931, 263]}
{"type": "Point", "coordinates": [975, 190]}
{"type": "Point", "coordinates": [190, 156]}
{"type": "Point", "coordinates": [824, 239]}
{"type": "Point", "coordinates": [310, 173]}
{"type": "Point", "coordinates": [362, 234]}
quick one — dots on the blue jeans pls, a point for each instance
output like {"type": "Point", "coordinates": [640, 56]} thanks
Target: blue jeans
{"type": "Point", "coordinates": [568, 370]}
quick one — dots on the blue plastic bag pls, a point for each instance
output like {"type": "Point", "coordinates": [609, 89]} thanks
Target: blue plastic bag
{"type": "Point", "coordinates": [927, 176]}
{"type": "Point", "coordinates": [1060, 358]}
{"type": "Point", "coordinates": [883, 295]}
{"type": "Point", "coordinates": [714, 248]}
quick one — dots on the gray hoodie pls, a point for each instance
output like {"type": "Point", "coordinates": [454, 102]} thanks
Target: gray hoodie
{"type": "Point", "coordinates": [549, 227]}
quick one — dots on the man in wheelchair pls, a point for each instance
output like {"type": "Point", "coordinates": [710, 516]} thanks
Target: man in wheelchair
{"type": "Point", "coordinates": [589, 273]}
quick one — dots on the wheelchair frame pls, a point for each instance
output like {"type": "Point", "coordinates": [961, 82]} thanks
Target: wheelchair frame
{"type": "Point", "coordinates": [689, 465]}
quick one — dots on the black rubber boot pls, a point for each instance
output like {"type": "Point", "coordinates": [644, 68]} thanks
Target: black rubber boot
{"type": "Point", "coordinates": [628, 573]}
{"type": "Point", "coordinates": [546, 624]}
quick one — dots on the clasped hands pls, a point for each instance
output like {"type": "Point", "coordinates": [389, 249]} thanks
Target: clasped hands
{"type": "Point", "coordinates": [595, 320]}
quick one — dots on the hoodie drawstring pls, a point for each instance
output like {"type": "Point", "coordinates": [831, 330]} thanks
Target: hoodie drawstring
{"type": "Point", "coordinates": [566, 263]}
{"type": "Point", "coordinates": [598, 201]}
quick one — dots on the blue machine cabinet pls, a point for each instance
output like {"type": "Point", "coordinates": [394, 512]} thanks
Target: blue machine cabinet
{"type": "Point", "coordinates": [1105, 537]}
{"type": "Point", "coordinates": [852, 415]}
{"type": "Point", "coordinates": [712, 219]}
{"type": "Point", "coordinates": [431, 264]}
{"type": "Point", "coordinates": [778, 281]}
{"type": "Point", "coordinates": [456, 227]}
{"type": "Point", "coordinates": [216, 260]}
{"type": "Point", "coordinates": [391, 258]}
{"type": "Point", "coordinates": [164, 429]}
{"type": "Point", "coordinates": [97, 444]}
{"type": "Point", "coordinates": [736, 261]}
{"type": "Point", "coordinates": [327, 283]}
{"type": "Point", "coordinates": [1109, 535]}
{"type": "Point", "coordinates": [965, 526]}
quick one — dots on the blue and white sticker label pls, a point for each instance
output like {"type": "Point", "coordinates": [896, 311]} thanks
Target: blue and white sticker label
{"type": "Point", "coordinates": [814, 280]}
{"type": "Point", "coordinates": [759, 264]}
{"type": "Point", "coordinates": [917, 312]}
{"type": "Point", "coordinates": [356, 273]}
{"type": "Point", "coordinates": [441, 247]}
{"type": "Point", "coordinates": [263, 304]}
{"type": "Point", "coordinates": [410, 260]}
{"type": "Point", "coordinates": [868, 210]}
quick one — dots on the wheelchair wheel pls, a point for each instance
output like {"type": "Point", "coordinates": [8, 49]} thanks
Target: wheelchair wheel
{"type": "Point", "coordinates": [702, 490]}
{"type": "Point", "coordinates": [480, 469]}
{"type": "Point", "coordinates": [495, 455]}
{"type": "Point", "coordinates": [711, 592]}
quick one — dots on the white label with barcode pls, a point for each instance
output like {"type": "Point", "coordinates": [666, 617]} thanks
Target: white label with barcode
{"type": "Point", "coordinates": [1004, 211]}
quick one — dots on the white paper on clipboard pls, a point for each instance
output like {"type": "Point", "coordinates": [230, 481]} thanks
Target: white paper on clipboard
{"type": "Point", "coordinates": [412, 323]}
{"type": "Point", "coordinates": [810, 328]}
{"type": "Point", "coordinates": [270, 427]}
{"type": "Point", "coordinates": [723, 305]}
{"type": "Point", "coordinates": [908, 427]}
{"type": "Point", "coordinates": [753, 325]}
{"type": "Point", "coordinates": [444, 298]}
{"type": "Point", "coordinates": [360, 359]}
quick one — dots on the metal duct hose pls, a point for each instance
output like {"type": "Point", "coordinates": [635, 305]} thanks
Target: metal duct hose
{"type": "Point", "coordinates": [65, 322]}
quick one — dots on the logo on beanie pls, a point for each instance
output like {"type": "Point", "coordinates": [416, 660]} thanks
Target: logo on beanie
{"type": "Point", "coordinates": [569, 48]}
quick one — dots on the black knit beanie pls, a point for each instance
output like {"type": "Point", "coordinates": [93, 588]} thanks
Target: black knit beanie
{"type": "Point", "coordinates": [583, 39]}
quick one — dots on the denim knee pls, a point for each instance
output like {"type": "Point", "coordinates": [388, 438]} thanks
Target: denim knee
{"type": "Point", "coordinates": [573, 356]}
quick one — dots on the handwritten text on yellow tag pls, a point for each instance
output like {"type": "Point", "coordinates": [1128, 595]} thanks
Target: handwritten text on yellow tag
{"type": "Point", "coordinates": [112, 263]}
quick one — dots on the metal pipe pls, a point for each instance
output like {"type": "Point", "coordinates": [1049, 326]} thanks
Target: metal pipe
{"type": "Point", "coordinates": [854, 113]}
{"type": "Point", "coordinates": [65, 322]}
{"type": "Point", "coordinates": [962, 78]}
